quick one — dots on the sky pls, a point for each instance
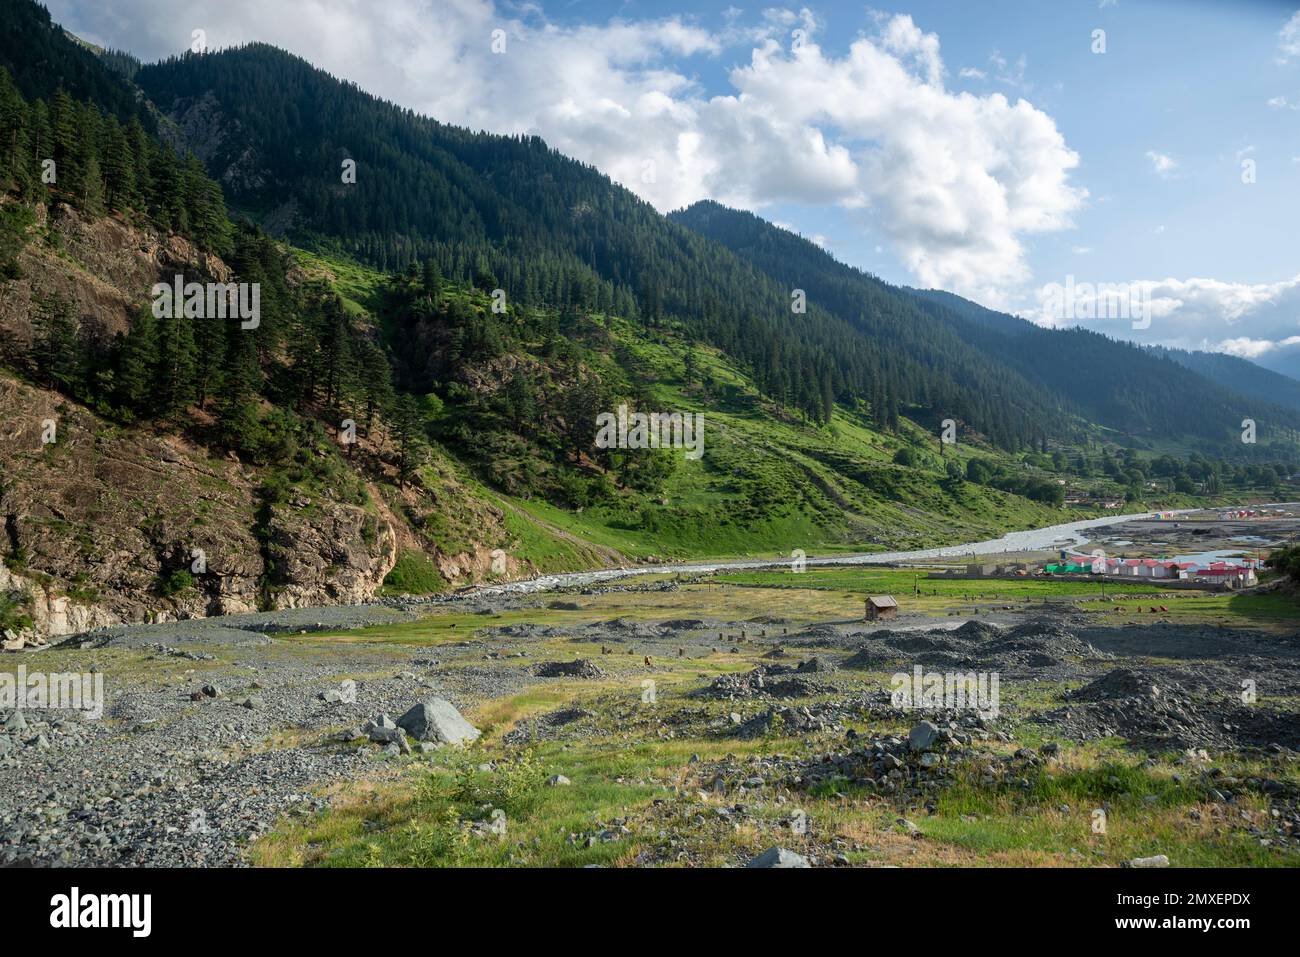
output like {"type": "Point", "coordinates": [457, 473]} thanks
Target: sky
{"type": "Point", "coordinates": [1004, 150]}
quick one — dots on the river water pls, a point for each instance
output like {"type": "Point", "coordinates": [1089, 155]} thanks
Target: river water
{"type": "Point", "coordinates": [1071, 534]}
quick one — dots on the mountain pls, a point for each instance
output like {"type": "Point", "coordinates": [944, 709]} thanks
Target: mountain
{"type": "Point", "coordinates": [1240, 375]}
{"type": "Point", "coordinates": [417, 407]}
{"type": "Point", "coordinates": [275, 131]}
{"type": "Point", "coordinates": [1116, 384]}
{"type": "Point", "coordinates": [175, 435]}
{"type": "Point", "coordinates": [41, 58]}
{"type": "Point", "coordinates": [1235, 374]}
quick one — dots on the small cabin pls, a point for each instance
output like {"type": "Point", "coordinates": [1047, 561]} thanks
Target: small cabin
{"type": "Point", "coordinates": [880, 607]}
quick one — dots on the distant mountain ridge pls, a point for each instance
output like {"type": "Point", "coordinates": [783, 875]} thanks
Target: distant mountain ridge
{"type": "Point", "coordinates": [1114, 383]}
{"type": "Point", "coordinates": [1231, 372]}
{"type": "Point", "coordinates": [1240, 375]}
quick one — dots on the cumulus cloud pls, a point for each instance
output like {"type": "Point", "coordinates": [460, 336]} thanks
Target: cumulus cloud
{"type": "Point", "coordinates": [956, 181]}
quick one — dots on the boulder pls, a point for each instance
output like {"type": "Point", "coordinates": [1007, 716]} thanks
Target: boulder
{"type": "Point", "coordinates": [922, 736]}
{"type": "Point", "coordinates": [436, 719]}
{"type": "Point", "coordinates": [391, 736]}
{"type": "Point", "coordinates": [779, 857]}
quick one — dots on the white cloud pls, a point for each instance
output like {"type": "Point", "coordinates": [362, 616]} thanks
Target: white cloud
{"type": "Point", "coordinates": [1161, 163]}
{"type": "Point", "coordinates": [1251, 320]}
{"type": "Point", "coordinates": [1008, 74]}
{"type": "Point", "coordinates": [1254, 348]}
{"type": "Point", "coordinates": [1282, 103]}
{"type": "Point", "coordinates": [956, 181]}
{"type": "Point", "coordinates": [1288, 39]}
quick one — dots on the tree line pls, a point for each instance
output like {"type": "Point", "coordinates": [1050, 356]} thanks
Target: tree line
{"type": "Point", "coordinates": [72, 151]}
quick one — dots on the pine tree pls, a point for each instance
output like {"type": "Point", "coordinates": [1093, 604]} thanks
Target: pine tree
{"type": "Point", "coordinates": [137, 359]}
{"type": "Point", "coordinates": [15, 171]}
{"type": "Point", "coordinates": [176, 371]}
{"type": "Point", "coordinates": [91, 197]}
{"type": "Point", "coordinates": [138, 142]}
{"type": "Point", "coordinates": [430, 280]}
{"type": "Point", "coordinates": [67, 143]}
{"type": "Point", "coordinates": [335, 348]}
{"type": "Point", "coordinates": [210, 352]}
{"type": "Point", "coordinates": [376, 382]}
{"type": "Point", "coordinates": [55, 352]}
{"type": "Point", "coordinates": [41, 145]}
{"type": "Point", "coordinates": [119, 169]}
{"type": "Point", "coordinates": [237, 413]}
{"type": "Point", "coordinates": [408, 427]}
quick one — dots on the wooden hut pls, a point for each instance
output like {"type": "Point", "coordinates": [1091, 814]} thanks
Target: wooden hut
{"type": "Point", "coordinates": [881, 607]}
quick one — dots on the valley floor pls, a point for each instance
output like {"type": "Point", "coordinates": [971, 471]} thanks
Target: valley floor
{"type": "Point", "coordinates": [714, 718]}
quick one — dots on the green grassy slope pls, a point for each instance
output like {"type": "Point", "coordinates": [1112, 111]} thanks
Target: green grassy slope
{"type": "Point", "coordinates": [768, 483]}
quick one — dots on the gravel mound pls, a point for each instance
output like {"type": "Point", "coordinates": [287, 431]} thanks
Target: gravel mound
{"type": "Point", "coordinates": [683, 624]}
{"type": "Point", "coordinates": [1034, 646]}
{"type": "Point", "coordinates": [1157, 714]}
{"type": "Point", "coordinates": [547, 726]}
{"type": "Point", "coordinates": [579, 668]}
{"type": "Point", "coordinates": [765, 681]}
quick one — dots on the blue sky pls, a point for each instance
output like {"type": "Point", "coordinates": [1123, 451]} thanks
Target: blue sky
{"type": "Point", "coordinates": [979, 147]}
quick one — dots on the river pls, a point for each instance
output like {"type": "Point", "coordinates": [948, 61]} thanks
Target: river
{"type": "Point", "coordinates": [1070, 534]}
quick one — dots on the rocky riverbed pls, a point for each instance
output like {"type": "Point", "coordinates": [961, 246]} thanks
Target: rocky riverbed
{"type": "Point", "coordinates": [215, 732]}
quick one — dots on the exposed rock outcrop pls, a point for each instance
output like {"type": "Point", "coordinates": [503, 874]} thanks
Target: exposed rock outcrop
{"type": "Point", "coordinates": [99, 523]}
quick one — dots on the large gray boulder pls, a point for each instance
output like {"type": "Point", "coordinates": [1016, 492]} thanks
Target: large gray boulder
{"type": "Point", "coordinates": [779, 857]}
{"type": "Point", "coordinates": [436, 719]}
{"type": "Point", "coordinates": [922, 737]}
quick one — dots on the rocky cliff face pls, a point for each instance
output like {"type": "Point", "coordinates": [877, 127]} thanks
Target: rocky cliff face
{"type": "Point", "coordinates": [107, 525]}
{"type": "Point", "coordinates": [105, 266]}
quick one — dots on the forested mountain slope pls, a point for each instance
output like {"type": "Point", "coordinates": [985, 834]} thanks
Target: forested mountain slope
{"type": "Point", "coordinates": [276, 132]}
{"type": "Point", "coordinates": [40, 59]}
{"type": "Point", "coordinates": [1240, 375]}
{"type": "Point", "coordinates": [1117, 384]}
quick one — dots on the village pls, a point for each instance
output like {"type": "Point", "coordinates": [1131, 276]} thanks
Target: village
{"type": "Point", "coordinates": [1219, 549]}
{"type": "Point", "coordinates": [1240, 573]}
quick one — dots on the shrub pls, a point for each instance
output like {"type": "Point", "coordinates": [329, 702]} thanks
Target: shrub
{"type": "Point", "coordinates": [175, 583]}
